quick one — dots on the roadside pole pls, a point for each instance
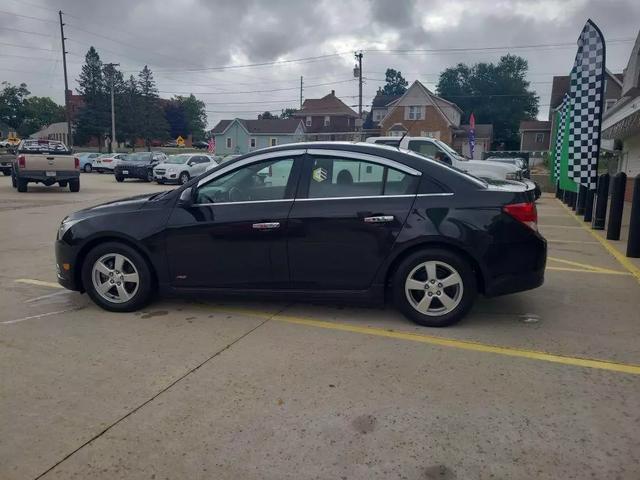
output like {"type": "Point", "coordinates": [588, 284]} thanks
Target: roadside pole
{"type": "Point", "coordinates": [112, 69]}
{"type": "Point", "coordinates": [67, 107]}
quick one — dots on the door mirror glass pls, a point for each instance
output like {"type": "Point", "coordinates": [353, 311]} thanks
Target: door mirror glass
{"type": "Point", "coordinates": [186, 197]}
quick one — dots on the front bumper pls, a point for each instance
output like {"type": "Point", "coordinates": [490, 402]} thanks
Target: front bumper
{"type": "Point", "coordinates": [165, 176]}
{"type": "Point", "coordinates": [66, 266]}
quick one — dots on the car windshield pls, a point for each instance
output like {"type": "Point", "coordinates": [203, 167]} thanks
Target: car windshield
{"type": "Point", "coordinates": [139, 157]}
{"type": "Point", "coordinates": [177, 159]}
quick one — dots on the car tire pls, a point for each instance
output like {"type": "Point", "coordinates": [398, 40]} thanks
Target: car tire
{"type": "Point", "coordinates": [127, 297]}
{"type": "Point", "coordinates": [414, 284]}
{"type": "Point", "coordinates": [160, 181]}
{"type": "Point", "coordinates": [14, 184]}
{"type": "Point", "coordinates": [62, 183]}
{"type": "Point", "coordinates": [184, 178]}
{"type": "Point", "coordinates": [119, 179]}
{"type": "Point", "coordinates": [6, 173]}
{"type": "Point", "coordinates": [87, 168]}
{"type": "Point", "coordinates": [149, 176]}
{"type": "Point", "coordinates": [21, 184]}
{"type": "Point", "coordinates": [74, 185]}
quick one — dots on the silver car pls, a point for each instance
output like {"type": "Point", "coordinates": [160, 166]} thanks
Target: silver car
{"type": "Point", "coordinates": [182, 168]}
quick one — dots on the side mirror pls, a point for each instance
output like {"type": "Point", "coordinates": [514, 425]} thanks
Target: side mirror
{"type": "Point", "coordinates": [187, 197]}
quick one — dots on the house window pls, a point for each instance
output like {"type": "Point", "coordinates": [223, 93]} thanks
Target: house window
{"type": "Point", "coordinates": [539, 137]}
{"type": "Point", "coordinates": [377, 115]}
{"type": "Point", "coordinates": [229, 142]}
{"type": "Point", "coordinates": [327, 119]}
{"type": "Point", "coordinates": [273, 141]}
{"type": "Point", "coordinates": [308, 121]}
{"type": "Point", "coordinates": [252, 142]}
{"type": "Point", "coordinates": [415, 112]}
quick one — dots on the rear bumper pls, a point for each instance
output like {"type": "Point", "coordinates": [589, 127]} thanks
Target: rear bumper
{"type": "Point", "coordinates": [132, 173]}
{"type": "Point", "coordinates": [66, 256]}
{"type": "Point", "coordinates": [41, 175]}
{"type": "Point", "coordinates": [520, 267]}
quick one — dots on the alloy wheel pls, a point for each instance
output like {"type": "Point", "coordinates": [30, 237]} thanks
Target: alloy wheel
{"type": "Point", "coordinates": [434, 288]}
{"type": "Point", "coordinates": [115, 278]}
{"type": "Point", "coordinates": [184, 178]}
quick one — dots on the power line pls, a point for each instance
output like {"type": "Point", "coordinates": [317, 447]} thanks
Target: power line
{"type": "Point", "coordinates": [251, 103]}
{"type": "Point", "coordinates": [27, 46]}
{"type": "Point", "coordinates": [27, 16]}
{"type": "Point", "coordinates": [27, 31]}
{"type": "Point", "coordinates": [259, 91]}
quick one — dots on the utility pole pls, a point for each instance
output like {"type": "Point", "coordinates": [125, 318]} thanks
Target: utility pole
{"type": "Point", "coordinates": [300, 92]}
{"type": "Point", "coordinates": [112, 69]}
{"type": "Point", "coordinates": [67, 107]}
{"type": "Point", "coordinates": [359, 58]}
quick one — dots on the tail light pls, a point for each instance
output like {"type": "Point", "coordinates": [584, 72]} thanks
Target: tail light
{"type": "Point", "coordinates": [21, 161]}
{"type": "Point", "coordinates": [77, 162]}
{"type": "Point", "coordinates": [523, 212]}
{"type": "Point", "coordinates": [107, 160]}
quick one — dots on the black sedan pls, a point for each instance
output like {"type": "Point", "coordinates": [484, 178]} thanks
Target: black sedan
{"type": "Point", "coordinates": [138, 165]}
{"type": "Point", "coordinates": [361, 221]}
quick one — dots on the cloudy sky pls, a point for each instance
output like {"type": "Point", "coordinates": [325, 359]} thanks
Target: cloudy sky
{"type": "Point", "coordinates": [224, 51]}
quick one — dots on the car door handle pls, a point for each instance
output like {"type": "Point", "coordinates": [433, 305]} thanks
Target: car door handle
{"type": "Point", "coordinates": [266, 225]}
{"type": "Point", "coordinates": [379, 219]}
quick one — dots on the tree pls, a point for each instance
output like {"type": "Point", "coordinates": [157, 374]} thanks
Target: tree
{"type": "Point", "coordinates": [288, 112]}
{"type": "Point", "coordinates": [175, 115]}
{"type": "Point", "coordinates": [129, 122]}
{"type": "Point", "coordinates": [267, 115]}
{"type": "Point", "coordinates": [396, 84]}
{"type": "Point", "coordinates": [154, 124]}
{"type": "Point", "coordinates": [12, 104]}
{"type": "Point", "coordinates": [496, 93]}
{"type": "Point", "coordinates": [38, 113]}
{"type": "Point", "coordinates": [94, 119]}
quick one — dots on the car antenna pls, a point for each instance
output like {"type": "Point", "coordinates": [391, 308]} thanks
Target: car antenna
{"type": "Point", "coordinates": [402, 138]}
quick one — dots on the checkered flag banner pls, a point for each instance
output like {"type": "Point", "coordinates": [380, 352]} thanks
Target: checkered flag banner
{"type": "Point", "coordinates": [587, 95]}
{"type": "Point", "coordinates": [562, 121]}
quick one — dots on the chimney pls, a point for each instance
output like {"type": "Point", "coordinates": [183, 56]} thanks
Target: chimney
{"type": "Point", "coordinates": [333, 93]}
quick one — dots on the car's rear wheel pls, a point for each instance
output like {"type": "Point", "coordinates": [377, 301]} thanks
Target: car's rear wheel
{"type": "Point", "coordinates": [117, 277]}
{"type": "Point", "coordinates": [87, 168]}
{"type": "Point", "coordinates": [184, 178]}
{"type": "Point", "coordinates": [149, 176]}
{"type": "Point", "coordinates": [21, 184]}
{"type": "Point", "coordinates": [119, 179]}
{"type": "Point", "coordinates": [434, 287]}
{"type": "Point", "coordinates": [74, 185]}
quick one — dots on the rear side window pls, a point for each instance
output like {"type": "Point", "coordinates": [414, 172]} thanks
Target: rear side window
{"type": "Point", "coordinates": [427, 149]}
{"type": "Point", "coordinates": [342, 177]}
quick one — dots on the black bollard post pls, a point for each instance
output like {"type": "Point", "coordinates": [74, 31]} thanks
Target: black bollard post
{"type": "Point", "coordinates": [558, 191]}
{"type": "Point", "coordinates": [582, 198]}
{"type": "Point", "coordinates": [565, 197]}
{"type": "Point", "coordinates": [633, 243]}
{"type": "Point", "coordinates": [572, 201]}
{"type": "Point", "coordinates": [588, 205]}
{"type": "Point", "coordinates": [617, 205]}
{"type": "Point", "coordinates": [602, 197]}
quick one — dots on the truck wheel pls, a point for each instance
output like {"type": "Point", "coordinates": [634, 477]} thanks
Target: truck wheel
{"type": "Point", "coordinates": [117, 277]}
{"type": "Point", "coordinates": [62, 183]}
{"type": "Point", "coordinates": [14, 184]}
{"type": "Point", "coordinates": [74, 185]}
{"type": "Point", "coordinates": [119, 179]}
{"type": "Point", "coordinates": [434, 287]}
{"type": "Point", "coordinates": [22, 185]}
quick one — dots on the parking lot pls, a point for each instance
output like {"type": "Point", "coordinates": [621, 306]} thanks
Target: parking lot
{"type": "Point", "coordinates": [542, 384]}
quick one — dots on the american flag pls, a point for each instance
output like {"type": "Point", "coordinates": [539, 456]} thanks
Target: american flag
{"type": "Point", "coordinates": [211, 148]}
{"type": "Point", "coordinates": [472, 135]}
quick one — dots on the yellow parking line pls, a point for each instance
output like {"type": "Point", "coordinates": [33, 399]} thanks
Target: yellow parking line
{"type": "Point", "coordinates": [553, 240]}
{"type": "Point", "coordinates": [584, 265]}
{"type": "Point", "coordinates": [444, 342]}
{"type": "Point", "coordinates": [40, 283]}
{"type": "Point", "coordinates": [624, 261]}
{"type": "Point", "coordinates": [557, 226]}
{"type": "Point", "coordinates": [583, 270]}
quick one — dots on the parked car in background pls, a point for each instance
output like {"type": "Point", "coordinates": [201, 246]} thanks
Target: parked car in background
{"type": "Point", "coordinates": [171, 144]}
{"type": "Point", "coordinates": [435, 149]}
{"type": "Point", "coordinates": [182, 168]}
{"type": "Point", "coordinates": [6, 160]}
{"type": "Point", "coordinates": [220, 160]}
{"type": "Point", "coordinates": [107, 162]}
{"type": "Point", "coordinates": [46, 162]}
{"type": "Point", "coordinates": [314, 219]}
{"type": "Point", "coordinates": [5, 144]}
{"type": "Point", "coordinates": [139, 165]}
{"type": "Point", "coordinates": [200, 145]}
{"type": "Point", "coordinates": [520, 163]}
{"type": "Point", "coordinates": [86, 160]}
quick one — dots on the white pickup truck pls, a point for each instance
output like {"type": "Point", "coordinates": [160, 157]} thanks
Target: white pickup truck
{"type": "Point", "coordinates": [433, 148]}
{"type": "Point", "coordinates": [46, 162]}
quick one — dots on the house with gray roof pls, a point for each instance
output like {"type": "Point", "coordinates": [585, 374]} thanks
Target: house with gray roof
{"type": "Point", "coordinates": [239, 136]}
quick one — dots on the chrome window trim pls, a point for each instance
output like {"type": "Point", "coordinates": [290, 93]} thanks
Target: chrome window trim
{"type": "Point", "coordinates": [364, 197]}
{"type": "Point", "coordinates": [241, 202]}
{"type": "Point", "coordinates": [366, 157]}
{"type": "Point", "coordinates": [442, 194]}
{"type": "Point", "coordinates": [248, 161]}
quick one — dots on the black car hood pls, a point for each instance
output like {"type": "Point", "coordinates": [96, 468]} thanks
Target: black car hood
{"type": "Point", "coordinates": [125, 204]}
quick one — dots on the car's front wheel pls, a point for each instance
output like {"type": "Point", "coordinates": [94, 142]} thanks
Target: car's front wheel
{"type": "Point", "coordinates": [117, 277]}
{"type": "Point", "coordinates": [184, 178]}
{"type": "Point", "coordinates": [119, 179]}
{"type": "Point", "coordinates": [87, 168]}
{"type": "Point", "coordinates": [434, 287]}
